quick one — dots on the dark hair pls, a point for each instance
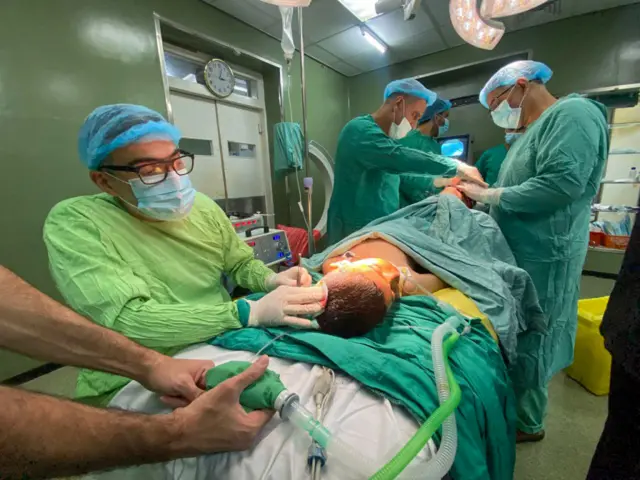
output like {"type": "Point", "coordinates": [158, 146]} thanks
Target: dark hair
{"type": "Point", "coordinates": [355, 305]}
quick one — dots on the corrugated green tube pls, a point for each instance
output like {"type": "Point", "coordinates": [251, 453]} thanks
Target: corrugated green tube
{"type": "Point", "coordinates": [413, 447]}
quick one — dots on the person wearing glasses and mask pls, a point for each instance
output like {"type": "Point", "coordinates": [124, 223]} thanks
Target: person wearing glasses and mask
{"type": "Point", "coordinates": [369, 159]}
{"type": "Point", "coordinates": [542, 202]}
{"type": "Point", "coordinates": [145, 257]}
{"type": "Point", "coordinates": [434, 123]}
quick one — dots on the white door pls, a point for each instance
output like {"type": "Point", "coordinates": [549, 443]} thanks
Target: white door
{"type": "Point", "coordinates": [245, 161]}
{"type": "Point", "coordinates": [196, 119]}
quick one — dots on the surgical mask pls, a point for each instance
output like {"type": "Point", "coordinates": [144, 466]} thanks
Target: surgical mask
{"type": "Point", "coordinates": [507, 117]}
{"type": "Point", "coordinates": [398, 131]}
{"type": "Point", "coordinates": [442, 129]}
{"type": "Point", "coordinates": [169, 200]}
{"type": "Point", "coordinates": [512, 137]}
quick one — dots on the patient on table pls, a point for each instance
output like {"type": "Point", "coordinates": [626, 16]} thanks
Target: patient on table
{"type": "Point", "coordinates": [363, 283]}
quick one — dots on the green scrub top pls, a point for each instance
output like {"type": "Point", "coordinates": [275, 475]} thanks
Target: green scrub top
{"type": "Point", "coordinates": [490, 162]}
{"type": "Point", "coordinates": [157, 283]}
{"type": "Point", "coordinates": [549, 179]}
{"type": "Point", "coordinates": [367, 181]}
{"type": "Point", "coordinates": [416, 187]}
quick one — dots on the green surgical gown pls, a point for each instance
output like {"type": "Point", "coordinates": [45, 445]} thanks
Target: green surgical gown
{"type": "Point", "coordinates": [367, 181]}
{"type": "Point", "coordinates": [158, 283]}
{"type": "Point", "coordinates": [490, 162]}
{"type": "Point", "coordinates": [550, 177]}
{"type": "Point", "coordinates": [416, 187]}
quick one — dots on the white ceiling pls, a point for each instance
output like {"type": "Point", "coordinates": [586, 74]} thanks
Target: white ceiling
{"type": "Point", "coordinates": [333, 37]}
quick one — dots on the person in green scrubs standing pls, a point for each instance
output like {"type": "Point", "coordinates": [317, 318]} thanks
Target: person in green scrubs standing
{"type": "Point", "coordinates": [433, 123]}
{"type": "Point", "coordinates": [490, 161]}
{"type": "Point", "coordinates": [542, 203]}
{"type": "Point", "coordinates": [369, 160]}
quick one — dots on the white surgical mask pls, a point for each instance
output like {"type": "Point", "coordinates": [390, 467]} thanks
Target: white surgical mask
{"type": "Point", "coordinates": [507, 117]}
{"type": "Point", "coordinates": [398, 131]}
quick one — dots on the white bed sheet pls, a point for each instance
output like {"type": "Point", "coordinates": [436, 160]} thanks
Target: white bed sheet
{"type": "Point", "coordinates": [363, 420]}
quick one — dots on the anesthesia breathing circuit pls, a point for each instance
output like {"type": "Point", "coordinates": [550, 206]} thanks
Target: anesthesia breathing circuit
{"type": "Point", "coordinates": [269, 392]}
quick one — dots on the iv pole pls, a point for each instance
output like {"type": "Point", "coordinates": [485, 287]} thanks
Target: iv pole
{"type": "Point", "coordinates": [308, 181]}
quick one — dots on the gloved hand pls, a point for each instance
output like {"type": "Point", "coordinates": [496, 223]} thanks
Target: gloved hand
{"type": "Point", "coordinates": [470, 174]}
{"type": "Point", "coordinates": [441, 182]}
{"type": "Point", "coordinates": [289, 278]}
{"type": "Point", "coordinates": [488, 196]}
{"type": "Point", "coordinates": [281, 307]}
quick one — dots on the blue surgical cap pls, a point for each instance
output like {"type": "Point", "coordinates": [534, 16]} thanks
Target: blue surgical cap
{"type": "Point", "coordinates": [508, 76]}
{"type": "Point", "coordinates": [441, 105]}
{"type": "Point", "coordinates": [411, 87]}
{"type": "Point", "coordinates": [110, 127]}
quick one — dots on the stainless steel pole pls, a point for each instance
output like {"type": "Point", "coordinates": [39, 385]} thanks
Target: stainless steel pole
{"type": "Point", "coordinates": [303, 81]}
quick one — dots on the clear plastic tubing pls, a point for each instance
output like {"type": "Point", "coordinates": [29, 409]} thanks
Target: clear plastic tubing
{"type": "Point", "coordinates": [361, 466]}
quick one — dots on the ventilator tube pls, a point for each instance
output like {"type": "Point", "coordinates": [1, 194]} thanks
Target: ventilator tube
{"type": "Point", "coordinates": [358, 464]}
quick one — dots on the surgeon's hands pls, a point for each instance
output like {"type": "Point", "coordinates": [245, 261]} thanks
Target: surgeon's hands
{"type": "Point", "coordinates": [470, 174]}
{"type": "Point", "coordinates": [488, 196]}
{"type": "Point", "coordinates": [179, 382]}
{"type": "Point", "coordinates": [441, 182]}
{"type": "Point", "coordinates": [282, 307]}
{"type": "Point", "coordinates": [289, 278]}
{"type": "Point", "coordinates": [216, 422]}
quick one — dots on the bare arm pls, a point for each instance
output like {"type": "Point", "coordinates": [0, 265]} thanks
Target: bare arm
{"type": "Point", "coordinates": [35, 325]}
{"type": "Point", "coordinates": [45, 437]}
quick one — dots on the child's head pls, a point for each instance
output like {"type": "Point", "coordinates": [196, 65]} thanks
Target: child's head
{"type": "Point", "coordinates": [355, 304]}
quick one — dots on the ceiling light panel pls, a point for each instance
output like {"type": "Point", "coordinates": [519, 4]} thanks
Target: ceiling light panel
{"type": "Point", "coordinates": [363, 9]}
{"type": "Point", "coordinates": [468, 23]}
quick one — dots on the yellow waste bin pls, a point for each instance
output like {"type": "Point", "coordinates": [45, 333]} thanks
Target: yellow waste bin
{"type": "Point", "coordinates": [591, 361]}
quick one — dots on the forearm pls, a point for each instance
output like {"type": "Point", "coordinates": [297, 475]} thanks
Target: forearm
{"type": "Point", "coordinates": [36, 440]}
{"type": "Point", "coordinates": [157, 325]}
{"type": "Point", "coordinates": [538, 195]}
{"type": "Point", "coordinates": [35, 325]}
{"type": "Point", "coordinates": [401, 159]}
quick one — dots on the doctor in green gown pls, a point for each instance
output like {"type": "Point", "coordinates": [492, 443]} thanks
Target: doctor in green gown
{"type": "Point", "coordinates": [542, 202]}
{"type": "Point", "coordinates": [369, 160]}
{"type": "Point", "coordinates": [491, 160]}
{"type": "Point", "coordinates": [433, 123]}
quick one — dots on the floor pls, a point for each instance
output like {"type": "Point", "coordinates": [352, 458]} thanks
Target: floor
{"type": "Point", "coordinates": [573, 425]}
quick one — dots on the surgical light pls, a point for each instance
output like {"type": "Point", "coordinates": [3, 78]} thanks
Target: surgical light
{"type": "Point", "coordinates": [471, 27]}
{"type": "Point", "coordinates": [504, 8]}
{"type": "Point", "coordinates": [289, 3]}
{"type": "Point", "coordinates": [363, 9]}
{"type": "Point", "coordinates": [368, 36]}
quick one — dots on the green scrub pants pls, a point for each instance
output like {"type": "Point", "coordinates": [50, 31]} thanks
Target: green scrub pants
{"type": "Point", "coordinates": [532, 408]}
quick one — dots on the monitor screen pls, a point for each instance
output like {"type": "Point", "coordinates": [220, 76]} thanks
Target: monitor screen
{"type": "Point", "coordinates": [456, 147]}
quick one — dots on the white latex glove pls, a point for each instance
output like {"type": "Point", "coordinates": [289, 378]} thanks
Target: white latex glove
{"type": "Point", "coordinates": [441, 182]}
{"type": "Point", "coordinates": [284, 304]}
{"type": "Point", "coordinates": [289, 278]}
{"type": "Point", "coordinates": [470, 174]}
{"type": "Point", "coordinates": [488, 196]}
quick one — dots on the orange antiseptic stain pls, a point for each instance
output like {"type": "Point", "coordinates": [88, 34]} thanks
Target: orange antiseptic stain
{"type": "Point", "coordinates": [383, 273]}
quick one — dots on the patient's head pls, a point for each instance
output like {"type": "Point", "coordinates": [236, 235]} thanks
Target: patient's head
{"type": "Point", "coordinates": [355, 304]}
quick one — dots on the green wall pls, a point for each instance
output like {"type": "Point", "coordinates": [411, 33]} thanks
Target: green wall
{"type": "Point", "coordinates": [60, 59]}
{"type": "Point", "coordinates": [585, 52]}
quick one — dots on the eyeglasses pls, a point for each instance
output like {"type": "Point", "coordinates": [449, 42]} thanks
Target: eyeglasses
{"type": "Point", "coordinates": [152, 172]}
{"type": "Point", "coordinates": [494, 104]}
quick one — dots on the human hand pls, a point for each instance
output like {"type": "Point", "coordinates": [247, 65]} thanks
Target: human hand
{"type": "Point", "coordinates": [441, 182]}
{"type": "Point", "coordinates": [488, 196]}
{"type": "Point", "coordinates": [178, 381]}
{"type": "Point", "coordinates": [216, 422]}
{"type": "Point", "coordinates": [282, 307]}
{"type": "Point", "coordinates": [289, 278]}
{"type": "Point", "coordinates": [470, 174]}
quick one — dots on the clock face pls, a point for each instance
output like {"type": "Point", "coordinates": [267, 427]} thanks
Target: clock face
{"type": "Point", "coordinates": [219, 78]}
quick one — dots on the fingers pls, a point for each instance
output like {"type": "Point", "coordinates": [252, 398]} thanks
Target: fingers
{"type": "Point", "coordinates": [305, 295]}
{"type": "Point", "coordinates": [259, 418]}
{"type": "Point", "coordinates": [476, 179]}
{"type": "Point", "coordinates": [305, 278]}
{"type": "Point", "coordinates": [174, 402]}
{"type": "Point", "coordinates": [303, 309]}
{"type": "Point", "coordinates": [250, 375]}
{"type": "Point", "coordinates": [302, 323]}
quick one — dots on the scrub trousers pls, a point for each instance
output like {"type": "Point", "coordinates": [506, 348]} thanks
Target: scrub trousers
{"type": "Point", "coordinates": [616, 456]}
{"type": "Point", "coordinates": [531, 408]}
